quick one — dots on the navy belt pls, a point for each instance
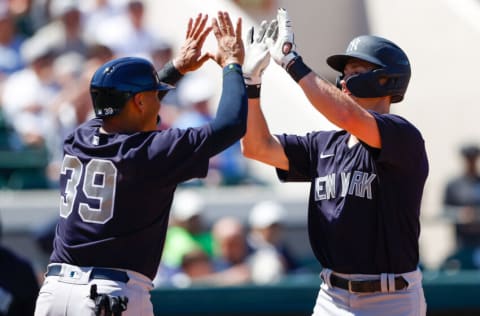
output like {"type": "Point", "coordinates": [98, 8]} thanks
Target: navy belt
{"type": "Point", "coordinates": [96, 273]}
{"type": "Point", "coordinates": [367, 286]}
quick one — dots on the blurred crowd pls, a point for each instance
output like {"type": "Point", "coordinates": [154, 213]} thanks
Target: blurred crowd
{"type": "Point", "coordinates": [49, 50]}
{"type": "Point", "coordinates": [228, 251]}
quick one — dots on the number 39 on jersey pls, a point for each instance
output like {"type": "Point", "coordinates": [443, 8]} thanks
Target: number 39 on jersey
{"type": "Point", "coordinates": [98, 187]}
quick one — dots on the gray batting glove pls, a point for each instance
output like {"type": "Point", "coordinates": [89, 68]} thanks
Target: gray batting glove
{"type": "Point", "coordinates": [280, 39]}
{"type": "Point", "coordinates": [257, 56]}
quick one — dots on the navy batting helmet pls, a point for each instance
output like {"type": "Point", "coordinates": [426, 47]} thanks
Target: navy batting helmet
{"type": "Point", "coordinates": [392, 63]}
{"type": "Point", "coordinates": [118, 80]}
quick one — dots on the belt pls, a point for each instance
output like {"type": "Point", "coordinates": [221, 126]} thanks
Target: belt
{"type": "Point", "coordinates": [367, 286]}
{"type": "Point", "coordinates": [96, 273]}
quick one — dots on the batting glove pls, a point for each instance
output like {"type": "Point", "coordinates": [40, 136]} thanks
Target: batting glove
{"type": "Point", "coordinates": [257, 56]}
{"type": "Point", "coordinates": [281, 44]}
{"type": "Point", "coordinates": [280, 39]}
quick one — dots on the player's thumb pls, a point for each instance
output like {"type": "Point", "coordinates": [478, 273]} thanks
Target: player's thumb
{"type": "Point", "coordinates": [204, 57]}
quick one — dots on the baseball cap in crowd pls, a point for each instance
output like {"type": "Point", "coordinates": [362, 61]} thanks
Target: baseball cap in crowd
{"type": "Point", "coordinates": [187, 204]}
{"type": "Point", "coordinates": [266, 213]}
{"type": "Point", "coordinates": [35, 48]}
{"type": "Point", "coordinates": [61, 7]}
{"type": "Point", "coordinates": [194, 88]}
{"type": "Point", "coordinates": [470, 150]}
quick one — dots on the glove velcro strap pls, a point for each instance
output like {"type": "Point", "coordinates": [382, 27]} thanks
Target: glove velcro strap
{"type": "Point", "coordinates": [297, 69]}
{"type": "Point", "coordinates": [253, 91]}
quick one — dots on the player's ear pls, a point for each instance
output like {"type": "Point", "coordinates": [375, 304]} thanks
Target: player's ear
{"type": "Point", "coordinates": [138, 100]}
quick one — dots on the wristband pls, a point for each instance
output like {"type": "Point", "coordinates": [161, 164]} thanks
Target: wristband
{"type": "Point", "coordinates": [297, 69]}
{"type": "Point", "coordinates": [253, 91]}
{"type": "Point", "coordinates": [170, 74]}
{"type": "Point", "coordinates": [232, 68]}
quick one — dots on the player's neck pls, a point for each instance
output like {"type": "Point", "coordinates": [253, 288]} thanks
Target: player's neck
{"type": "Point", "coordinates": [115, 126]}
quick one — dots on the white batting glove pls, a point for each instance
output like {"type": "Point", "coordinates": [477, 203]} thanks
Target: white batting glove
{"type": "Point", "coordinates": [257, 56]}
{"type": "Point", "coordinates": [280, 39]}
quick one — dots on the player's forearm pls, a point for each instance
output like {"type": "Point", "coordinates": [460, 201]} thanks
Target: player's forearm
{"type": "Point", "coordinates": [230, 120]}
{"type": "Point", "coordinates": [337, 107]}
{"type": "Point", "coordinates": [258, 143]}
{"type": "Point", "coordinates": [257, 135]}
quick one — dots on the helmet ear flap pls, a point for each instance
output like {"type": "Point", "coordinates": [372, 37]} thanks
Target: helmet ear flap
{"type": "Point", "coordinates": [367, 85]}
{"type": "Point", "coordinates": [107, 102]}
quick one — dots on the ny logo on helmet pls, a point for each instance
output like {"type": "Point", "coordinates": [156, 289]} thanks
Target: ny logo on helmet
{"type": "Point", "coordinates": [353, 45]}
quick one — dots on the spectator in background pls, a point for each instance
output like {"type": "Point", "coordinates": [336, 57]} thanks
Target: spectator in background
{"type": "Point", "coordinates": [65, 31]}
{"type": "Point", "coordinates": [236, 262]}
{"type": "Point", "coordinates": [97, 12]}
{"type": "Point", "coordinates": [161, 53]}
{"type": "Point", "coordinates": [462, 198]}
{"type": "Point", "coordinates": [266, 220]}
{"type": "Point", "coordinates": [195, 93]}
{"type": "Point", "coordinates": [68, 69]}
{"type": "Point", "coordinates": [187, 230]}
{"type": "Point", "coordinates": [29, 15]}
{"type": "Point", "coordinates": [196, 267]}
{"type": "Point", "coordinates": [187, 235]}
{"type": "Point", "coordinates": [10, 43]}
{"type": "Point", "coordinates": [231, 254]}
{"type": "Point", "coordinates": [128, 33]}
{"type": "Point", "coordinates": [18, 284]}
{"type": "Point", "coordinates": [462, 205]}
{"type": "Point", "coordinates": [27, 95]}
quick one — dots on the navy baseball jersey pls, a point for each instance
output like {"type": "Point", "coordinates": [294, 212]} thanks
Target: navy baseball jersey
{"type": "Point", "coordinates": [103, 206]}
{"type": "Point", "coordinates": [364, 203]}
{"type": "Point", "coordinates": [117, 189]}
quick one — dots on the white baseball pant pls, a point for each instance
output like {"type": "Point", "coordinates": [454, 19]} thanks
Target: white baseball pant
{"type": "Point", "coordinates": [68, 293]}
{"type": "Point", "coordinates": [335, 301]}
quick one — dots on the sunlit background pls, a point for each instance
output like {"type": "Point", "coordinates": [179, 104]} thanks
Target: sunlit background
{"type": "Point", "coordinates": [441, 38]}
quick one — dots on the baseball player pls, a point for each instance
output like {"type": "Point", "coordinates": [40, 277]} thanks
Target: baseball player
{"type": "Point", "coordinates": [119, 174]}
{"type": "Point", "coordinates": [366, 179]}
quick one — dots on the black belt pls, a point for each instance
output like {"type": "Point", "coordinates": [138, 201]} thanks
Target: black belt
{"type": "Point", "coordinates": [367, 286]}
{"type": "Point", "coordinates": [96, 273]}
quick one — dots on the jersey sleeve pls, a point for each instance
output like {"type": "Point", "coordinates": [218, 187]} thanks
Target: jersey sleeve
{"type": "Point", "coordinates": [402, 143]}
{"type": "Point", "coordinates": [298, 151]}
{"type": "Point", "coordinates": [177, 155]}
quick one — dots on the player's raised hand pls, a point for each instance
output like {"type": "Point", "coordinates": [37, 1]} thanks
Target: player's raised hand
{"type": "Point", "coordinates": [191, 57]}
{"type": "Point", "coordinates": [280, 39]}
{"type": "Point", "coordinates": [257, 56]}
{"type": "Point", "coordinates": [229, 39]}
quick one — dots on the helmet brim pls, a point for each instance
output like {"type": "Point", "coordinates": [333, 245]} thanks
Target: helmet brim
{"type": "Point", "coordinates": [339, 61]}
{"type": "Point", "coordinates": [163, 86]}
